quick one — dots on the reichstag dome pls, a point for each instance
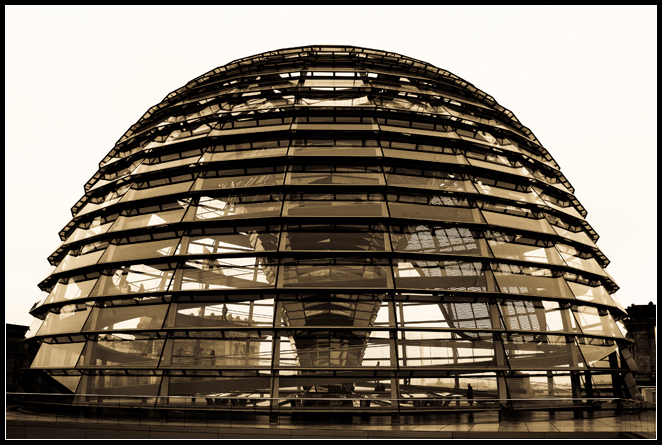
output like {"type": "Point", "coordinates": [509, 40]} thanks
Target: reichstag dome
{"type": "Point", "coordinates": [330, 222]}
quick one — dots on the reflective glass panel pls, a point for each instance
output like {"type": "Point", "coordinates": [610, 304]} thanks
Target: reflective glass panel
{"type": "Point", "coordinates": [219, 240]}
{"type": "Point", "coordinates": [227, 273]}
{"type": "Point", "coordinates": [136, 278]}
{"type": "Point", "coordinates": [448, 275]}
{"type": "Point", "coordinates": [597, 351]}
{"type": "Point", "coordinates": [125, 350]}
{"type": "Point", "coordinates": [72, 289]}
{"type": "Point", "coordinates": [541, 352]}
{"type": "Point", "coordinates": [431, 239]}
{"type": "Point", "coordinates": [139, 385]}
{"type": "Point", "coordinates": [446, 349]}
{"type": "Point", "coordinates": [65, 319]}
{"type": "Point", "coordinates": [240, 350]}
{"type": "Point", "coordinates": [519, 247]}
{"type": "Point", "coordinates": [342, 349]}
{"type": "Point", "coordinates": [127, 317]}
{"type": "Point", "coordinates": [517, 222]}
{"type": "Point", "coordinates": [233, 207]}
{"type": "Point", "coordinates": [332, 273]}
{"type": "Point", "coordinates": [592, 294]}
{"type": "Point", "coordinates": [62, 355]}
{"type": "Point", "coordinates": [150, 219]}
{"type": "Point", "coordinates": [222, 315]}
{"type": "Point", "coordinates": [332, 237]}
{"type": "Point", "coordinates": [138, 251]}
{"type": "Point", "coordinates": [593, 321]}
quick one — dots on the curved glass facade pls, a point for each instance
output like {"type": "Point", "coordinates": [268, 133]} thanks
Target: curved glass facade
{"type": "Point", "coordinates": [331, 222]}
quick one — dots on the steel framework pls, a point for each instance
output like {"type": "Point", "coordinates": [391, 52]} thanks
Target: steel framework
{"type": "Point", "coordinates": [326, 222]}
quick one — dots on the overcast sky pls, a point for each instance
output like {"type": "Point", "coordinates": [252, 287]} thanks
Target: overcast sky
{"type": "Point", "coordinates": [583, 79]}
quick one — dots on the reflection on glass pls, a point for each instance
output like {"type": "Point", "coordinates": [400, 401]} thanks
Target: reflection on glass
{"type": "Point", "coordinates": [520, 247]}
{"type": "Point", "coordinates": [71, 289]}
{"type": "Point", "coordinates": [64, 355]}
{"type": "Point", "coordinates": [136, 278]}
{"type": "Point", "coordinates": [127, 317]}
{"type": "Point", "coordinates": [126, 350]}
{"type": "Point", "coordinates": [431, 239]}
{"type": "Point", "coordinates": [239, 239]}
{"type": "Point", "coordinates": [228, 273]}
{"type": "Point", "coordinates": [334, 237]}
{"type": "Point", "coordinates": [447, 349]}
{"type": "Point", "coordinates": [65, 319]}
{"type": "Point", "coordinates": [332, 273]}
{"type": "Point", "coordinates": [450, 275]}
{"type": "Point", "coordinates": [221, 315]}
{"type": "Point", "coordinates": [241, 350]}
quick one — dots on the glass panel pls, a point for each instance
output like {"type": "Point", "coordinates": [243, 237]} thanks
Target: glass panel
{"type": "Point", "coordinates": [96, 228]}
{"type": "Point", "coordinates": [146, 167]}
{"type": "Point", "coordinates": [332, 237]}
{"type": "Point", "coordinates": [70, 382]}
{"type": "Point", "coordinates": [136, 278]}
{"type": "Point", "coordinates": [434, 212]}
{"type": "Point", "coordinates": [541, 352]}
{"type": "Point", "coordinates": [513, 195]}
{"type": "Point", "coordinates": [431, 239]}
{"type": "Point", "coordinates": [432, 180]}
{"type": "Point", "coordinates": [581, 236]}
{"type": "Point", "coordinates": [519, 247]}
{"type": "Point", "coordinates": [311, 390]}
{"type": "Point", "coordinates": [340, 350]}
{"type": "Point", "coordinates": [517, 222]}
{"type": "Point", "coordinates": [77, 261]}
{"type": "Point", "coordinates": [239, 239]}
{"type": "Point", "coordinates": [150, 219]}
{"type": "Point", "coordinates": [573, 259]}
{"type": "Point", "coordinates": [237, 207]}
{"type": "Point", "coordinates": [346, 176]}
{"type": "Point", "coordinates": [219, 391]}
{"type": "Point", "coordinates": [242, 349]}
{"type": "Point", "coordinates": [335, 273]}
{"type": "Point", "coordinates": [520, 171]}
{"type": "Point", "coordinates": [139, 385]}
{"type": "Point", "coordinates": [222, 315]}
{"type": "Point", "coordinates": [245, 154]}
{"type": "Point", "coordinates": [445, 349]}
{"type": "Point", "coordinates": [443, 315]}
{"type": "Point", "coordinates": [332, 310]}
{"type": "Point", "coordinates": [128, 317]}
{"type": "Point", "coordinates": [513, 279]}
{"type": "Point", "coordinates": [62, 355]}
{"type": "Point", "coordinates": [372, 152]}
{"type": "Point", "coordinates": [34, 328]}
{"type": "Point", "coordinates": [523, 385]}
{"type": "Point", "coordinates": [334, 208]}
{"type": "Point", "coordinates": [139, 251]}
{"type": "Point", "coordinates": [125, 350]}
{"type": "Point", "coordinates": [537, 316]}
{"type": "Point", "coordinates": [592, 294]}
{"type": "Point", "coordinates": [447, 275]}
{"type": "Point", "coordinates": [596, 351]}
{"type": "Point", "coordinates": [230, 182]}
{"type": "Point", "coordinates": [445, 392]}
{"type": "Point", "coordinates": [166, 190]}
{"type": "Point", "coordinates": [592, 321]}
{"type": "Point", "coordinates": [423, 156]}
{"type": "Point", "coordinates": [65, 319]}
{"type": "Point", "coordinates": [228, 273]}
{"type": "Point", "coordinates": [72, 289]}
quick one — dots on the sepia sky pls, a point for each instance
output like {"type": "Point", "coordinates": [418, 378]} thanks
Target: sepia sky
{"type": "Point", "coordinates": [583, 79]}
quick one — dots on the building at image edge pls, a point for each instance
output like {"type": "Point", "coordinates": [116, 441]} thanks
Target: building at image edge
{"type": "Point", "coordinates": [331, 222]}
